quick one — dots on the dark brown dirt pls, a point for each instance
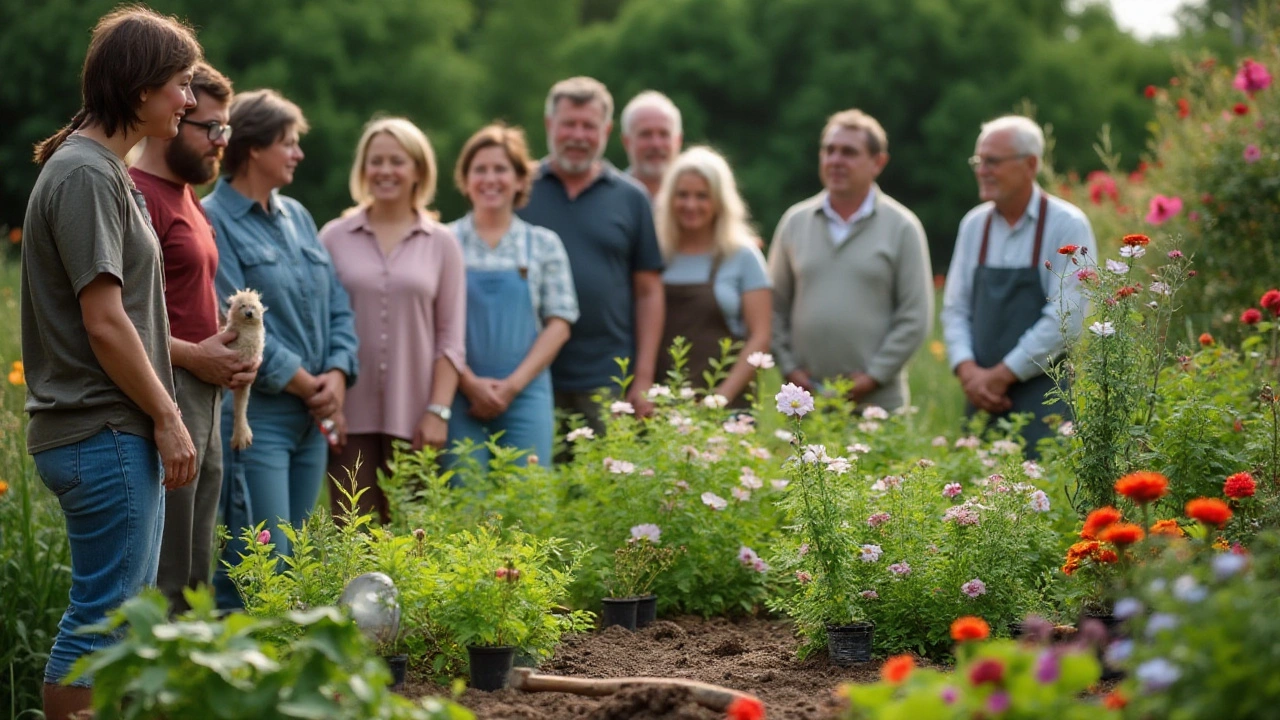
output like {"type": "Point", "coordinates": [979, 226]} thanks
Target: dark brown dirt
{"type": "Point", "coordinates": [752, 655]}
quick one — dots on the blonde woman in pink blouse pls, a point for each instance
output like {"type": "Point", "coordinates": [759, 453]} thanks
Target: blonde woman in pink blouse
{"type": "Point", "coordinates": [407, 281]}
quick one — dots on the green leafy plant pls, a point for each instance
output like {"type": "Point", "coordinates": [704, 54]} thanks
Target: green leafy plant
{"type": "Point", "coordinates": [639, 562]}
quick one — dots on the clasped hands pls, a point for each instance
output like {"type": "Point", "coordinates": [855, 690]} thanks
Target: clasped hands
{"type": "Point", "coordinates": [987, 388]}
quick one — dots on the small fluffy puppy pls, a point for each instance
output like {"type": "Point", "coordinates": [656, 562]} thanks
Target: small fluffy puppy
{"type": "Point", "coordinates": [245, 317]}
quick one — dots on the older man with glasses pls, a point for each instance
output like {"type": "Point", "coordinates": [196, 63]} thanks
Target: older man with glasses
{"type": "Point", "coordinates": [1011, 298]}
{"type": "Point", "coordinates": [203, 364]}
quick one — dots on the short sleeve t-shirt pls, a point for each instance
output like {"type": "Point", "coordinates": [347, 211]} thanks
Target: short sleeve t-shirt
{"type": "Point", "coordinates": [608, 233]}
{"type": "Point", "coordinates": [85, 218]}
{"type": "Point", "coordinates": [741, 272]}
{"type": "Point", "coordinates": [190, 255]}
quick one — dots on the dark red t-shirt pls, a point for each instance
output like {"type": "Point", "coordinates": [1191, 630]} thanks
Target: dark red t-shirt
{"type": "Point", "coordinates": [190, 255]}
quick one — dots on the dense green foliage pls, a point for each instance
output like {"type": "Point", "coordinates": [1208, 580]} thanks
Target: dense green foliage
{"type": "Point", "coordinates": [756, 78]}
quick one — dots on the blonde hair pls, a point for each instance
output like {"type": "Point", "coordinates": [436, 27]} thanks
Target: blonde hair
{"type": "Point", "coordinates": [414, 142]}
{"type": "Point", "coordinates": [732, 228]}
{"type": "Point", "coordinates": [854, 119]}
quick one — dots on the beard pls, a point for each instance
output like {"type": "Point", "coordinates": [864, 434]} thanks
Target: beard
{"type": "Point", "coordinates": [651, 167]}
{"type": "Point", "coordinates": [575, 167]}
{"type": "Point", "coordinates": [189, 165]}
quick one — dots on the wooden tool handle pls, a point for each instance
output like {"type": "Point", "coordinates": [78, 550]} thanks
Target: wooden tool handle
{"type": "Point", "coordinates": [705, 694]}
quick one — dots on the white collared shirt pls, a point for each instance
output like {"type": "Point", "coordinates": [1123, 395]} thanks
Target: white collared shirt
{"type": "Point", "coordinates": [840, 228]}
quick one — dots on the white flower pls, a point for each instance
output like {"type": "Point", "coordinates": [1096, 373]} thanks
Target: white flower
{"type": "Point", "coordinates": [1005, 447]}
{"type": "Point", "coordinates": [868, 426]}
{"type": "Point", "coordinates": [759, 453]}
{"type": "Point", "coordinates": [1067, 429]}
{"type": "Point", "coordinates": [1103, 329]}
{"type": "Point", "coordinates": [648, 531]}
{"type": "Point", "coordinates": [1227, 564]}
{"type": "Point", "coordinates": [749, 480]}
{"type": "Point", "coordinates": [870, 553]}
{"type": "Point", "coordinates": [838, 465]}
{"type": "Point", "coordinates": [925, 463]}
{"type": "Point", "coordinates": [940, 441]}
{"type": "Point", "coordinates": [783, 435]}
{"type": "Point", "coordinates": [658, 391]}
{"type": "Point", "coordinates": [1159, 288]}
{"type": "Point", "coordinates": [793, 400]}
{"type": "Point", "coordinates": [715, 401]}
{"type": "Point", "coordinates": [621, 407]}
{"type": "Point", "coordinates": [1032, 470]}
{"type": "Point", "coordinates": [971, 442]}
{"type": "Point", "coordinates": [761, 360]}
{"type": "Point", "coordinates": [741, 494]}
{"type": "Point", "coordinates": [679, 421]}
{"type": "Point", "coordinates": [619, 467]}
{"type": "Point", "coordinates": [582, 433]}
{"type": "Point", "coordinates": [1039, 501]}
{"type": "Point", "coordinates": [1131, 251]}
{"type": "Point", "coordinates": [714, 501]}
{"type": "Point", "coordinates": [747, 556]}
{"type": "Point", "coordinates": [1117, 267]}
{"type": "Point", "coordinates": [814, 454]}
{"type": "Point", "coordinates": [686, 393]}
{"type": "Point", "coordinates": [900, 568]}
{"type": "Point", "coordinates": [858, 449]}
{"type": "Point", "coordinates": [875, 412]}
{"type": "Point", "coordinates": [779, 484]}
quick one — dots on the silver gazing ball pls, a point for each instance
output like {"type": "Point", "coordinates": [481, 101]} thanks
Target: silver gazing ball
{"type": "Point", "coordinates": [373, 601]}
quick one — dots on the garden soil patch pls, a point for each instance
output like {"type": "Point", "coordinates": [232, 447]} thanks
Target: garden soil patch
{"type": "Point", "coordinates": [750, 654]}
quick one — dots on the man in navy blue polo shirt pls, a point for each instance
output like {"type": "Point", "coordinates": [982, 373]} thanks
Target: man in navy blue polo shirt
{"type": "Point", "coordinates": [604, 219]}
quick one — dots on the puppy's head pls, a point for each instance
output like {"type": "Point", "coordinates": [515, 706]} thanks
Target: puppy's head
{"type": "Point", "coordinates": [245, 308]}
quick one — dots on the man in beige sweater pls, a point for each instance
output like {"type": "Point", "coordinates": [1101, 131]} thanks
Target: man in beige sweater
{"type": "Point", "coordinates": [852, 287]}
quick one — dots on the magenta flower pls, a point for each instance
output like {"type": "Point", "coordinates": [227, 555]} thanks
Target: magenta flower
{"type": "Point", "coordinates": [1163, 208]}
{"type": "Point", "coordinates": [878, 519]}
{"type": "Point", "coordinates": [952, 489]}
{"type": "Point", "coordinates": [264, 537]}
{"type": "Point", "coordinates": [901, 568]}
{"type": "Point", "coordinates": [949, 695]}
{"type": "Point", "coordinates": [1048, 669]}
{"type": "Point", "coordinates": [999, 702]}
{"type": "Point", "coordinates": [1252, 154]}
{"type": "Point", "coordinates": [1252, 77]}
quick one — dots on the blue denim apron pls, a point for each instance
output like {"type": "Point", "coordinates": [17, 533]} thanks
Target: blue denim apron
{"type": "Point", "coordinates": [501, 329]}
{"type": "Point", "coordinates": [1006, 303]}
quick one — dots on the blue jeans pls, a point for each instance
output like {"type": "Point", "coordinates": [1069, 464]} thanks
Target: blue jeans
{"type": "Point", "coordinates": [275, 479]}
{"type": "Point", "coordinates": [111, 492]}
{"type": "Point", "coordinates": [527, 424]}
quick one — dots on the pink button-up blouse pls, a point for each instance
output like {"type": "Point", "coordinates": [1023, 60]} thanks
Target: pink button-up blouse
{"type": "Point", "coordinates": [410, 309]}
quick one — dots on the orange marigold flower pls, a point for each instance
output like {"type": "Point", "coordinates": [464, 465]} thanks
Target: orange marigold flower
{"type": "Point", "coordinates": [1115, 700]}
{"type": "Point", "coordinates": [745, 708]}
{"type": "Point", "coordinates": [969, 627]}
{"type": "Point", "coordinates": [1082, 549]}
{"type": "Point", "coordinates": [1097, 520]}
{"type": "Point", "coordinates": [1239, 486]}
{"type": "Point", "coordinates": [1210, 511]}
{"type": "Point", "coordinates": [15, 235]}
{"type": "Point", "coordinates": [897, 668]}
{"type": "Point", "coordinates": [1126, 291]}
{"type": "Point", "coordinates": [1133, 240]}
{"type": "Point", "coordinates": [1071, 567]}
{"type": "Point", "coordinates": [1168, 528]}
{"type": "Point", "coordinates": [1206, 339]}
{"type": "Point", "coordinates": [1143, 487]}
{"type": "Point", "coordinates": [1221, 544]}
{"type": "Point", "coordinates": [1122, 534]}
{"type": "Point", "coordinates": [1106, 556]}
{"type": "Point", "coordinates": [4, 488]}
{"type": "Point", "coordinates": [1068, 249]}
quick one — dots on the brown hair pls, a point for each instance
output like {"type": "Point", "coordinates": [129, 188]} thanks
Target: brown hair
{"type": "Point", "coordinates": [209, 81]}
{"type": "Point", "coordinates": [259, 119]}
{"type": "Point", "coordinates": [877, 140]}
{"type": "Point", "coordinates": [512, 142]}
{"type": "Point", "coordinates": [132, 49]}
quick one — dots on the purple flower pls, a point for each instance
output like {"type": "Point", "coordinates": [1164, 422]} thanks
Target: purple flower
{"type": "Point", "coordinates": [648, 531]}
{"type": "Point", "coordinates": [870, 595]}
{"type": "Point", "coordinates": [1039, 501]}
{"type": "Point", "coordinates": [1252, 154]}
{"type": "Point", "coordinates": [794, 400]}
{"type": "Point", "coordinates": [974, 588]}
{"type": "Point", "coordinates": [900, 568]}
{"type": "Point", "coordinates": [961, 515]}
{"type": "Point", "coordinates": [998, 702]}
{"type": "Point", "coordinates": [878, 519]}
{"type": "Point", "coordinates": [747, 556]}
{"type": "Point", "coordinates": [949, 695]}
{"type": "Point", "coordinates": [870, 553]}
{"type": "Point", "coordinates": [952, 489]}
{"type": "Point", "coordinates": [1157, 674]}
{"type": "Point", "coordinates": [1048, 668]}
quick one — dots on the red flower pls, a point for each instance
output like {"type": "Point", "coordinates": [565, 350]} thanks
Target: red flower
{"type": "Point", "coordinates": [1126, 291]}
{"type": "Point", "coordinates": [1105, 556]}
{"type": "Point", "coordinates": [1122, 534]}
{"type": "Point", "coordinates": [1097, 520]}
{"type": "Point", "coordinates": [968, 628]}
{"type": "Point", "coordinates": [1150, 92]}
{"type": "Point", "coordinates": [1134, 240]}
{"type": "Point", "coordinates": [1206, 339]}
{"type": "Point", "coordinates": [897, 668]}
{"type": "Point", "coordinates": [1251, 316]}
{"type": "Point", "coordinates": [1068, 249]}
{"type": "Point", "coordinates": [1115, 700]}
{"type": "Point", "coordinates": [987, 670]}
{"type": "Point", "coordinates": [1210, 511]}
{"type": "Point", "coordinates": [1239, 486]}
{"type": "Point", "coordinates": [1143, 487]}
{"type": "Point", "coordinates": [1240, 109]}
{"type": "Point", "coordinates": [1101, 185]}
{"type": "Point", "coordinates": [1271, 301]}
{"type": "Point", "coordinates": [1184, 108]}
{"type": "Point", "coordinates": [745, 708]}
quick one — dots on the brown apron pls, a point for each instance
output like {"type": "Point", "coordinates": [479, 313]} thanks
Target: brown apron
{"type": "Point", "coordinates": [694, 314]}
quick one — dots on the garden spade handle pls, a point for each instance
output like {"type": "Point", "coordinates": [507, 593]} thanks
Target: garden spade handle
{"type": "Point", "coordinates": [705, 694]}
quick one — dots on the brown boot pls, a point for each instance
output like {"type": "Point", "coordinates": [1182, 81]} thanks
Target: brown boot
{"type": "Point", "coordinates": [64, 702]}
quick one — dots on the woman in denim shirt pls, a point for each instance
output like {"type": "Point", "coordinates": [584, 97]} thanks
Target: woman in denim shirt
{"type": "Point", "coordinates": [267, 242]}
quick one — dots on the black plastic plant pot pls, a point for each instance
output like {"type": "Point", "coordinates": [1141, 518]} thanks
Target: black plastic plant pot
{"type": "Point", "coordinates": [850, 644]}
{"type": "Point", "coordinates": [490, 666]}
{"type": "Point", "coordinates": [646, 610]}
{"type": "Point", "coordinates": [398, 664]}
{"type": "Point", "coordinates": [619, 611]}
{"type": "Point", "coordinates": [1016, 630]}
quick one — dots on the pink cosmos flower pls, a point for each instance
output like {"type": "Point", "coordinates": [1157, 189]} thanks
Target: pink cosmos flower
{"type": "Point", "coordinates": [264, 537]}
{"type": "Point", "coordinates": [870, 553]}
{"type": "Point", "coordinates": [1252, 77]}
{"type": "Point", "coordinates": [749, 480]}
{"type": "Point", "coordinates": [1252, 154]}
{"type": "Point", "coordinates": [1086, 274]}
{"type": "Point", "coordinates": [940, 441]}
{"type": "Point", "coordinates": [779, 484]}
{"type": "Point", "coordinates": [952, 489]}
{"type": "Point", "coordinates": [878, 519]}
{"type": "Point", "coordinates": [714, 501]}
{"type": "Point", "coordinates": [961, 515]}
{"type": "Point", "coordinates": [803, 577]}
{"type": "Point", "coordinates": [793, 400]}
{"type": "Point", "coordinates": [900, 568]}
{"type": "Point", "coordinates": [648, 531]}
{"type": "Point", "coordinates": [1163, 208]}
{"type": "Point", "coordinates": [741, 494]}
{"type": "Point", "coordinates": [974, 588]}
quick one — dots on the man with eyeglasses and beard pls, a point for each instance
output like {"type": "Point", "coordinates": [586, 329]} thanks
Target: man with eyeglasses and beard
{"type": "Point", "coordinates": [1012, 297]}
{"type": "Point", "coordinates": [203, 365]}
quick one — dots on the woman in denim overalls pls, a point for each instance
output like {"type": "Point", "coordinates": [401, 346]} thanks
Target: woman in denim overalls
{"type": "Point", "coordinates": [520, 302]}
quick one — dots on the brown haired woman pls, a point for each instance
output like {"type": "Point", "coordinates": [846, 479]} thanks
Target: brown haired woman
{"type": "Point", "coordinates": [105, 431]}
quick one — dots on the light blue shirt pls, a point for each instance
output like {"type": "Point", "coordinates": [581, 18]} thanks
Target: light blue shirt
{"type": "Point", "coordinates": [741, 272]}
{"type": "Point", "coordinates": [1009, 247]}
{"type": "Point", "coordinates": [550, 278]}
{"type": "Point", "coordinates": [309, 323]}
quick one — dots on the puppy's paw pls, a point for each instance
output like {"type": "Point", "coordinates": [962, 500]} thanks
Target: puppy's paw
{"type": "Point", "coordinates": [241, 437]}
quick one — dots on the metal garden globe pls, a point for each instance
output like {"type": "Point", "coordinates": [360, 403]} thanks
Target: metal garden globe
{"type": "Point", "coordinates": [373, 601]}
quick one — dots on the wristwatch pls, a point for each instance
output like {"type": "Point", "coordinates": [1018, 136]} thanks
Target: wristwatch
{"type": "Point", "coordinates": [444, 412]}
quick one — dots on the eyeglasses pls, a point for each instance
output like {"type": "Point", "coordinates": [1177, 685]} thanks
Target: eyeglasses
{"type": "Point", "coordinates": [989, 161]}
{"type": "Point", "coordinates": [213, 128]}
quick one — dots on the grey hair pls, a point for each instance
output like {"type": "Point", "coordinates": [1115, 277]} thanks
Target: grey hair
{"type": "Point", "coordinates": [656, 100]}
{"type": "Point", "coordinates": [1028, 138]}
{"type": "Point", "coordinates": [580, 90]}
